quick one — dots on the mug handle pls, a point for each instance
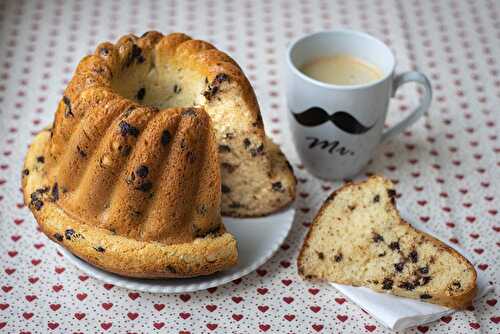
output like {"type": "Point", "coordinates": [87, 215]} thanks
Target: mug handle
{"type": "Point", "coordinates": [399, 80]}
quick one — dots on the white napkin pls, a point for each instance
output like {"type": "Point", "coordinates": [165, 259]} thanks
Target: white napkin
{"type": "Point", "coordinates": [399, 313]}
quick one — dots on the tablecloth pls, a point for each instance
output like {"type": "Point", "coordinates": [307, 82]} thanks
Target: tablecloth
{"type": "Point", "coordinates": [446, 167]}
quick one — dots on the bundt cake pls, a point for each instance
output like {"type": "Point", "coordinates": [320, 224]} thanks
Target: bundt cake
{"type": "Point", "coordinates": [358, 238]}
{"type": "Point", "coordinates": [153, 139]}
{"type": "Point", "coordinates": [134, 190]}
{"type": "Point", "coordinates": [176, 71]}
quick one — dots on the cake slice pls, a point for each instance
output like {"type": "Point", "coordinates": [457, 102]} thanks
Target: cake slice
{"type": "Point", "coordinates": [358, 238]}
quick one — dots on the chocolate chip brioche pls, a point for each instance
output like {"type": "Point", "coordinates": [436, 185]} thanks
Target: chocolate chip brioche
{"type": "Point", "coordinates": [358, 238]}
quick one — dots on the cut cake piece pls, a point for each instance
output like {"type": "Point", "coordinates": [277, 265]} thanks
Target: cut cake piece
{"type": "Point", "coordinates": [358, 238]}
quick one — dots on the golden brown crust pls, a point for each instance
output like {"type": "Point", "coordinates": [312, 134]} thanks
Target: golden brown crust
{"type": "Point", "coordinates": [456, 301]}
{"type": "Point", "coordinates": [223, 80]}
{"type": "Point", "coordinates": [115, 253]}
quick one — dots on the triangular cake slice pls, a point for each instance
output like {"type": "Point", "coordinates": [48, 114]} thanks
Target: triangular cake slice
{"type": "Point", "coordinates": [358, 238]}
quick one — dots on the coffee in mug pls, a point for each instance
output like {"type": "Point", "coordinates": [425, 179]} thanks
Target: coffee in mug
{"type": "Point", "coordinates": [342, 69]}
{"type": "Point", "coordinates": [339, 84]}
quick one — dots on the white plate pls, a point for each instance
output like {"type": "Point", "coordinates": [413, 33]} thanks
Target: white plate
{"type": "Point", "coordinates": [258, 239]}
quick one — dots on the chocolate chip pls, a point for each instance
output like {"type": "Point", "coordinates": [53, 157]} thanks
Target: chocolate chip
{"type": "Point", "coordinates": [142, 171]}
{"type": "Point", "coordinates": [394, 245]}
{"type": "Point", "coordinates": [425, 296]}
{"type": "Point", "coordinates": [189, 112]}
{"type": "Point", "coordinates": [26, 172]}
{"type": "Point", "coordinates": [277, 186]}
{"type": "Point", "coordinates": [129, 111]}
{"type": "Point", "coordinates": [136, 51]}
{"type": "Point", "coordinates": [58, 237]}
{"type": "Point", "coordinates": [377, 237]}
{"type": "Point", "coordinates": [399, 266]}
{"type": "Point", "coordinates": [407, 286]}
{"type": "Point", "coordinates": [177, 89]}
{"type": "Point", "coordinates": [229, 135]}
{"type": "Point", "coordinates": [202, 209]}
{"type": "Point", "coordinates": [387, 284]}
{"type": "Point", "coordinates": [321, 256]}
{"type": "Point", "coordinates": [103, 51]}
{"type": "Point", "coordinates": [392, 195]}
{"type": "Point", "coordinates": [338, 257]}
{"type": "Point", "coordinates": [67, 104]}
{"type": "Point", "coordinates": [140, 94]}
{"type": "Point", "coordinates": [145, 186]}
{"type": "Point", "coordinates": [42, 190]}
{"type": "Point", "coordinates": [331, 196]}
{"type": "Point", "coordinates": [413, 256]}
{"type": "Point", "coordinates": [246, 142]}
{"type": "Point", "coordinates": [381, 254]}
{"type": "Point", "coordinates": [225, 189]}
{"type": "Point", "coordinates": [36, 201]}
{"type": "Point", "coordinates": [165, 137]}
{"type": "Point", "coordinates": [99, 249]}
{"type": "Point", "coordinates": [37, 204]}
{"type": "Point", "coordinates": [55, 192]}
{"type": "Point", "coordinates": [171, 269]}
{"type": "Point", "coordinates": [257, 151]}
{"type": "Point", "coordinates": [224, 149]}
{"type": "Point", "coordinates": [221, 77]}
{"type": "Point", "coordinates": [228, 167]}
{"type": "Point", "coordinates": [235, 205]}
{"type": "Point", "coordinates": [127, 129]}
{"type": "Point", "coordinates": [69, 233]}
{"type": "Point", "coordinates": [456, 285]}
{"type": "Point", "coordinates": [258, 121]}
{"type": "Point", "coordinates": [376, 199]}
{"type": "Point", "coordinates": [81, 152]}
{"type": "Point", "coordinates": [213, 88]}
{"type": "Point", "coordinates": [423, 270]}
{"type": "Point", "coordinates": [40, 159]}
{"type": "Point", "coordinates": [135, 54]}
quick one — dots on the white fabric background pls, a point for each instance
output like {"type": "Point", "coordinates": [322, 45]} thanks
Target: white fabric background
{"type": "Point", "coordinates": [446, 166]}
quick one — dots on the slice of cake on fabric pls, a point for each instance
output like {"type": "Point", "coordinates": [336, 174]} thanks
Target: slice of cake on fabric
{"type": "Point", "coordinates": [358, 238]}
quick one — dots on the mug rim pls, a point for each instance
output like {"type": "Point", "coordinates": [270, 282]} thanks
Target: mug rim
{"type": "Point", "coordinates": [294, 68]}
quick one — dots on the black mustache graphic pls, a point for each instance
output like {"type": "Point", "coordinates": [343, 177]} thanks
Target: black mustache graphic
{"type": "Point", "coordinates": [315, 116]}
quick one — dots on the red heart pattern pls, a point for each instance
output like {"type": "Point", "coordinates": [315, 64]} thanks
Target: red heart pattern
{"type": "Point", "coordinates": [370, 328]}
{"type": "Point", "coordinates": [443, 166]}
{"type": "Point", "coordinates": [159, 307]}
{"type": "Point", "coordinates": [79, 315]}
{"type": "Point", "coordinates": [423, 329]}
{"type": "Point", "coordinates": [158, 325]}
{"type": "Point", "coordinates": [55, 307]}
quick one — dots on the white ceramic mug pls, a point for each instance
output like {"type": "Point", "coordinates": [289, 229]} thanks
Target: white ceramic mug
{"type": "Point", "coordinates": [335, 128]}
